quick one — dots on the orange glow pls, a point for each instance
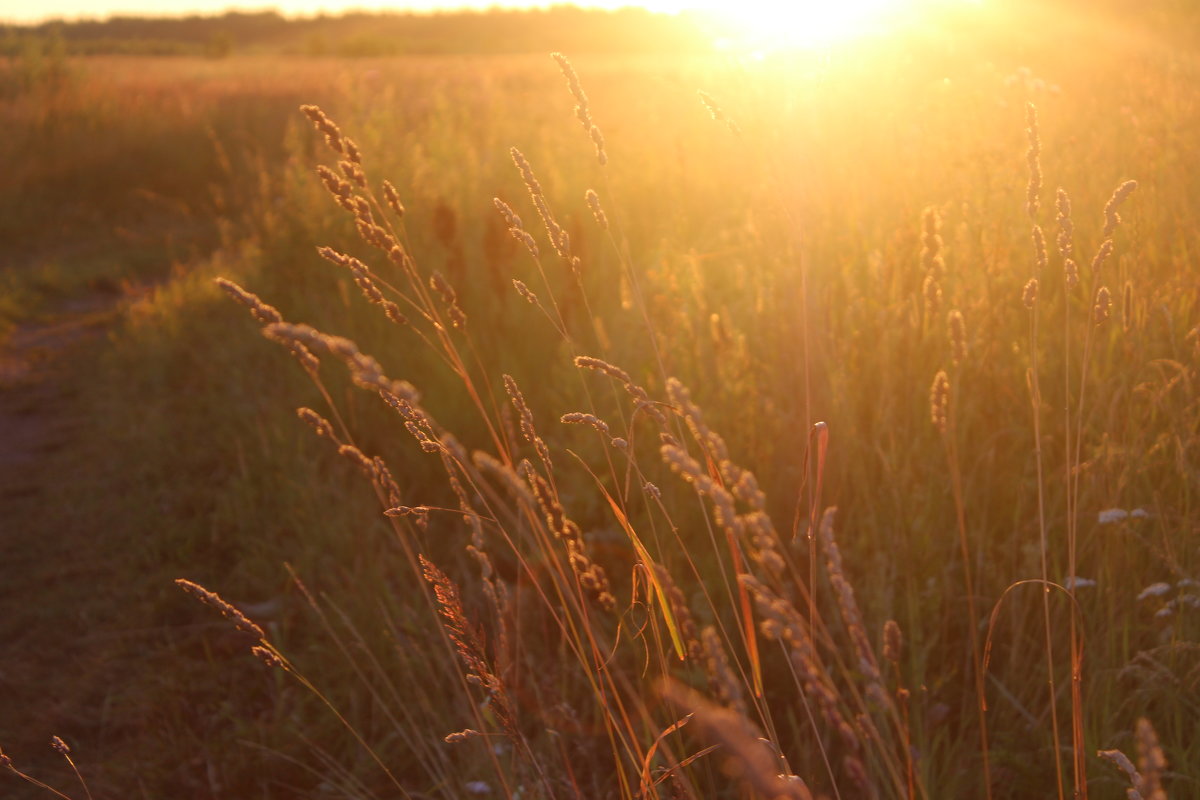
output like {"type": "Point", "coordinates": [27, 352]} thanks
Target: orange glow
{"type": "Point", "coordinates": [767, 24]}
{"type": "Point", "coordinates": [812, 24]}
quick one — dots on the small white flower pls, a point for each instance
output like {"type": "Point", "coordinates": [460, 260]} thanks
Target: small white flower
{"type": "Point", "coordinates": [1187, 583]}
{"type": "Point", "coordinates": [1154, 590]}
{"type": "Point", "coordinates": [477, 787]}
{"type": "Point", "coordinates": [1110, 515]}
{"type": "Point", "coordinates": [1075, 582]}
{"type": "Point", "coordinates": [1140, 513]}
{"type": "Point", "coordinates": [1164, 612]}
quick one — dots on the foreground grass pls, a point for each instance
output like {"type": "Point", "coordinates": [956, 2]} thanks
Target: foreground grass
{"type": "Point", "coordinates": [710, 232]}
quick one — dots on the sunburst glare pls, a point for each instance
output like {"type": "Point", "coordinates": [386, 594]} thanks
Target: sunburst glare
{"type": "Point", "coordinates": [814, 24]}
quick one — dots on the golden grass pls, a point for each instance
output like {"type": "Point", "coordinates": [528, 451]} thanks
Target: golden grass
{"type": "Point", "coordinates": [741, 336]}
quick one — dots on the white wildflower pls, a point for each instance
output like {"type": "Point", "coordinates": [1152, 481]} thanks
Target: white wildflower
{"type": "Point", "coordinates": [1110, 515]}
{"type": "Point", "coordinates": [1154, 590]}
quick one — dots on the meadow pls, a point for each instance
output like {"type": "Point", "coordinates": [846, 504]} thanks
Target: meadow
{"type": "Point", "coordinates": [746, 440]}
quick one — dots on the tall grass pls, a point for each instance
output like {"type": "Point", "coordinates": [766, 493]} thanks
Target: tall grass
{"type": "Point", "coordinates": [597, 556]}
{"type": "Point", "coordinates": [610, 716]}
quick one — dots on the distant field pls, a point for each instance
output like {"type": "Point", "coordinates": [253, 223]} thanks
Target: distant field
{"type": "Point", "coordinates": [847, 237]}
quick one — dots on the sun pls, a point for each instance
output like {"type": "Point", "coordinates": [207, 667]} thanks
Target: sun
{"type": "Point", "coordinates": [810, 24]}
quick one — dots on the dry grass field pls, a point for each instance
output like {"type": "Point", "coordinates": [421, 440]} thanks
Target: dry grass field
{"type": "Point", "coordinates": [802, 424]}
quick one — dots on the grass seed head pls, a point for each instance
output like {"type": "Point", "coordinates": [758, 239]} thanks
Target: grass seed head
{"type": "Point", "coordinates": [893, 641]}
{"type": "Point", "coordinates": [747, 754]}
{"type": "Point", "coordinates": [264, 313]}
{"type": "Point", "coordinates": [721, 678]}
{"type": "Point", "coordinates": [319, 424]}
{"type": "Point", "coordinates": [524, 291]}
{"type": "Point", "coordinates": [392, 197]}
{"type": "Point", "coordinates": [352, 153]}
{"type": "Point", "coordinates": [1033, 158]}
{"type": "Point", "coordinates": [932, 292]}
{"type": "Point", "coordinates": [1039, 249]}
{"type": "Point", "coordinates": [1029, 293]}
{"type": "Point", "coordinates": [600, 365]}
{"type": "Point", "coordinates": [1071, 273]}
{"type": "Point", "coordinates": [582, 108]}
{"type": "Point", "coordinates": [1066, 229]}
{"type": "Point", "coordinates": [939, 401]}
{"type": "Point", "coordinates": [958, 336]}
{"type": "Point", "coordinates": [228, 610]}
{"type": "Point", "coordinates": [267, 656]}
{"type": "Point", "coordinates": [353, 172]}
{"type": "Point", "coordinates": [439, 284]}
{"type": "Point", "coordinates": [1102, 306]}
{"type": "Point", "coordinates": [718, 113]}
{"type": "Point", "coordinates": [1152, 763]}
{"type": "Point", "coordinates": [580, 418]}
{"type": "Point", "coordinates": [573, 84]}
{"type": "Point", "coordinates": [1102, 254]}
{"type": "Point", "coordinates": [593, 201]}
{"type": "Point", "coordinates": [506, 211]}
{"type": "Point", "coordinates": [1111, 218]}
{"type": "Point", "coordinates": [931, 244]}
{"type": "Point", "coordinates": [333, 135]}
{"type": "Point", "coordinates": [598, 140]}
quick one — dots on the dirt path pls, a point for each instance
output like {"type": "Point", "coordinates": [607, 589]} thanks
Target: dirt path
{"type": "Point", "coordinates": [35, 403]}
{"type": "Point", "coordinates": [96, 643]}
{"type": "Point", "coordinates": [57, 576]}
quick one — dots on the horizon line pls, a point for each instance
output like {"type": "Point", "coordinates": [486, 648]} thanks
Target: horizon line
{"type": "Point", "coordinates": [432, 9]}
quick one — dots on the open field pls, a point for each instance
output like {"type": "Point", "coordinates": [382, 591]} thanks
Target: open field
{"type": "Point", "coordinates": [818, 287]}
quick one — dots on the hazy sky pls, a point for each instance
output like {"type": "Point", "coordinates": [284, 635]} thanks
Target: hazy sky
{"type": "Point", "coordinates": [35, 10]}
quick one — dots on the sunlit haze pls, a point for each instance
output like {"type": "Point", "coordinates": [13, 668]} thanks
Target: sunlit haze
{"type": "Point", "coordinates": [814, 23]}
{"type": "Point", "coordinates": [803, 23]}
{"type": "Point", "coordinates": [621, 399]}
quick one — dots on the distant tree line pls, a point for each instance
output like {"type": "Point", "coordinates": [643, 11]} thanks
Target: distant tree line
{"type": "Point", "coordinates": [372, 34]}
